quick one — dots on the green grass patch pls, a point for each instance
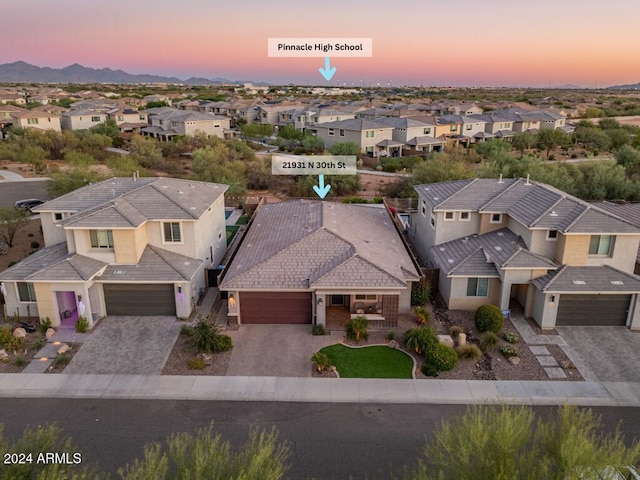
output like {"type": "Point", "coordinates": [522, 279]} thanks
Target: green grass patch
{"type": "Point", "coordinates": [243, 220]}
{"type": "Point", "coordinates": [231, 232]}
{"type": "Point", "coordinates": [369, 362]}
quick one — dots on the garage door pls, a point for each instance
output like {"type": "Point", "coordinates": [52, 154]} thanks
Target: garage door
{"type": "Point", "coordinates": [593, 310]}
{"type": "Point", "coordinates": [143, 300]}
{"type": "Point", "coordinates": [266, 307]}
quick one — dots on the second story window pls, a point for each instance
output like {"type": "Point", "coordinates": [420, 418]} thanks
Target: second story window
{"type": "Point", "coordinates": [496, 218]}
{"type": "Point", "coordinates": [454, 128]}
{"type": "Point", "coordinates": [342, 132]}
{"type": "Point", "coordinates": [601, 245]}
{"type": "Point", "coordinates": [32, 121]}
{"type": "Point", "coordinates": [95, 119]}
{"type": "Point", "coordinates": [101, 238]}
{"type": "Point", "coordinates": [552, 235]}
{"type": "Point", "coordinates": [172, 232]}
{"type": "Point", "coordinates": [464, 216]}
{"type": "Point", "coordinates": [426, 131]}
{"type": "Point", "coordinates": [449, 216]}
{"type": "Point", "coordinates": [26, 292]}
{"type": "Point", "coordinates": [369, 134]}
{"type": "Point", "coordinates": [331, 131]}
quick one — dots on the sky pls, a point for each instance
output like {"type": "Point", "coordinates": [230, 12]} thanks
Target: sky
{"type": "Point", "coordinates": [474, 43]}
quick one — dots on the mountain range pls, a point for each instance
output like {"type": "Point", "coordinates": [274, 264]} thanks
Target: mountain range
{"type": "Point", "coordinates": [23, 72]}
{"type": "Point", "coordinates": [634, 86]}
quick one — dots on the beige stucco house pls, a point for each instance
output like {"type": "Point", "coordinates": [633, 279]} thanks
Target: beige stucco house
{"type": "Point", "coordinates": [123, 246]}
{"type": "Point", "coordinates": [563, 260]}
{"type": "Point", "coordinates": [371, 137]}
{"type": "Point", "coordinates": [166, 123]}
{"type": "Point", "coordinates": [36, 119]}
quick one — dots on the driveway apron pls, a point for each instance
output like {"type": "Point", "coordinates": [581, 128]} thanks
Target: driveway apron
{"type": "Point", "coordinates": [275, 350]}
{"type": "Point", "coordinates": [127, 345]}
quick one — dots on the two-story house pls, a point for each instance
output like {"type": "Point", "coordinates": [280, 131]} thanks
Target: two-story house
{"type": "Point", "coordinates": [124, 246]}
{"type": "Point", "coordinates": [371, 137]}
{"type": "Point", "coordinates": [80, 119]}
{"type": "Point", "coordinates": [167, 122]}
{"type": "Point", "coordinates": [38, 120]}
{"type": "Point", "coordinates": [565, 261]}
{"type": "Point", "coordinates": [128, 119]}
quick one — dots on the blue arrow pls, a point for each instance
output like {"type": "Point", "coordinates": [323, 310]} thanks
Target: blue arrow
{"type": "Point", "coordinates": [322, 189]}
{"type": "Point", "coordinates": [328, 71]}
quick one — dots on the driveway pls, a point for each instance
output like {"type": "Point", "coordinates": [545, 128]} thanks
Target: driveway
{"type": "Point", "coordinates": [275, 350]}
{"type": "Point", "coordinates": [605, 354]}
{"type": "Point", "coordinates": [127, 345]}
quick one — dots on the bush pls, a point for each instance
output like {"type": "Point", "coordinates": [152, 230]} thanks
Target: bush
{"type": "Point", "coordinates": [223, 343]}
{"type": "Point", "coordinates": [489, 318]}
{"type": "Point", "coordinates": [321, 361]}
{"type": "Point", "coordinates": [422, 315]}
{"type": "Point", "coordinates": [82, 324]}
{"type": "Point", "coordinates": [15, 345]}
{"type": "Point", "coordinates": [511, 337]}
{"type": "Point", "coordinates": [469, 351]}
{"type": "Point", "coordinates": [19, 361]}
{"type": "Point", "coordinates": [441, 357]}
{"type": "Point", "coordinates": [429, 370]}
{"type": "Point", "coordinates": [509, 351]}
{"type": "Point", "coordinates": [5, 336]}
{"type": "Point", "coordinates": [420, 292]}
{"type": "Point", "coordinates": [61, 360]}
{"type": "Point", "coordinates": [420, 340]}
{"type": "Point", "coordinates": [196, 363]}
{"type": "Point", "coordinates": [488, 341]}
{"type": "Point", "coordinates": [357, 329]}
{"type": "Point", "coordinates": [186, 330]}
{"type": "Point", "coordinates": [35, 244]}
{"type": "Point", "coordinates": [455, 331]}
{"type": "Point", "coordinates": [45, 324]}
{"type": "Point", "coordinates": [318, 330]}
{"type": "Point", "coordinates": [206, 337]}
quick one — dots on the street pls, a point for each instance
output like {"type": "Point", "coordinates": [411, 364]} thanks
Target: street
{"type": "Point", "coordinates": [327, 441]}
{"type": "Point", "coordinates": [12, 191]}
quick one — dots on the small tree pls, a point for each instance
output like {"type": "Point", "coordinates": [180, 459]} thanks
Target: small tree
{"type": "Point", "coordinates": [420, 340]}
{"type": "Point", "coordinates": [12, 220]}
{"type": "Point", "coordinates": [489, 318]}
{"type": "Point", "coordinates": [420, 292]}
{"type": "Point", "coordinates": [358, 328]}
{"type": "Point", "coordinates": [321, 361]}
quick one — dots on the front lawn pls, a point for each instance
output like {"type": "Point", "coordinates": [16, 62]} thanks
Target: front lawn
{"type": "Point", "coordinates": [369, 362]}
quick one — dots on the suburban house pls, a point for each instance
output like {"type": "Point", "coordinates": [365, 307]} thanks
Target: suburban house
{"type": "Point", "coordinates": [319, 262]}
{"type": "Point", "coordinates": [38, 120]}
{"type": "Point", "coordinates": [128, 119]}
{"type": "Point", "coordinates": [371, 137]}
{"type": "Point", "coordinates": [124, 246]}
{"type": "Point", "coordinates": [168, 122]}
{"type": "Point", "coordinates": [81, 119]}
{"type": "Point", "coordinates": [495, 126]}
{"type": "Point", "coordinates": [565, 261]}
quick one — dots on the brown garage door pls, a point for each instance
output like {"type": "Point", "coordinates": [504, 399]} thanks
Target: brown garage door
{"type": "Point", "coordinates": [142, 300]}
{"type": "Point", "coordinates": [593, 310]}
{"type": "Point", "coordinates": [268, 307]}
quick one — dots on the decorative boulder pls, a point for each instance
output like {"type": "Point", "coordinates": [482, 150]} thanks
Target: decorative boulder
{"type": "Point", "coordinates": [393, 344]}
{"type": "Point", "coordinates": [445, 340]}
{"type": "Point", "coordinates": [20, 332]}
{"type": "Point", "coordinates": [3, 354]}
{"type": "Point", "coordinates": [63, 348]}
{"type": "Point", "coordinates": [462, 338]}
{"type": "Point", "coordinates": [514, 360]}
{"type": "Point", "coordinates": [50, 333]}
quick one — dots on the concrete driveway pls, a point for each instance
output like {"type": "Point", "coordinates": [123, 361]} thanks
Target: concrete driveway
{"type": "Point", "coordinates": [127, 345]}
{"type": "Point", "coordinates": [275, 350]}
{"type": "Point", "coordinates": [605, 354]}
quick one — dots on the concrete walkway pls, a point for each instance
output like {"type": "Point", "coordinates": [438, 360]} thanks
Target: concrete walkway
{"type": "Point", "coordinates": [334, 390]}
{"type": "Point", "coordinates": [6, 175]}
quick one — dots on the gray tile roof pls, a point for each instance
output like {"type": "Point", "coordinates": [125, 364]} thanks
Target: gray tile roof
{"type": "Point", "coordinates": [533, 204]}
{"type": "Point", "coordinates": [303, 244]}
{"type": "Point", "coordinates": [155, 265]}
{"type": "Point", "coordinates": [129, 203]}
{"type": "Point", "coordinates": [356, 124]}
{"type": "Point", "coordinates": [425, 140]}
{"type": "Point", "coordinates": [53, 264]}
{"type": "Point", "coordinates": [404, 122]}
{"type": "Point", "coordinates": [588, 280]}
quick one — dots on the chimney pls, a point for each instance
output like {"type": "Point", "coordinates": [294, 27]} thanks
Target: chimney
{"type": "Point", "coordinates": [500, 180]}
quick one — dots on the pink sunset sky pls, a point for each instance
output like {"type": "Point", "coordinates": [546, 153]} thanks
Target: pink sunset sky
{"type": "Point", "coordinates": [429, 42]}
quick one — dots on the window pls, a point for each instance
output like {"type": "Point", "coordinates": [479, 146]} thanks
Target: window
{"type": "Point", "coordinates": [366, 297]}
{"type": "Point", "coordinates": [433, 220]}
{"type": "Point", "coordinates": [496, 218]}
{"type": "Point", "coordinates": [477, 287]}
{"type": "Point", "coordinates": [121, 118]}
{"type": "Point", "coordinates": [331, 131]}
{"type": "Point", "coordinates": [424, 208]}
{"type": "Point", "coordinates": [26, 292]}
{"type": "Point", "coordinates": [95, 119]}
{"type": "Point", "coordinates": [143, 117]}
{"type": "Point", "coordinates": [369, 134]}
{"type": "Point", "coordinates": [464, 216]}
{"type": "Point", "coordinates": [448, 216]}
{"type": "Point", "coordinates": [57, 216]}
{"type": "Point", "coordinates": [552, 235]}
{"type": "Point", "coordinates": [601, 245]}
{"type": "Point", "coordinates": [454, 128]}
{"type": "Point", "coordinates": [32, 121]}
{"type": "Point", "coordinates": [468, 126]}
{"type": "Point", "coordinates": [342, 132]}
{"type": "Point", "coordinates": [101, 238]}
{"type": "Point", "coordinates": [426, 131]}
{"type": "Point", "coordinates": [172, 232]}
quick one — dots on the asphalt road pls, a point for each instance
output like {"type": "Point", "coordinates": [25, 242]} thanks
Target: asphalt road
{"type": "Point", "coordinates": [328, 441]}
{"type": "Point", "coordinates": [12, 191]}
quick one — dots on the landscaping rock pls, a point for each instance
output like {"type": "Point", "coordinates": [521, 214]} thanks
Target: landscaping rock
{"type": "Point", "coordinates": [20, 332]}
{"type": "Point", "coordinates": [514, 360]}
{"type": "Point", "coordinates": [63, 348]}
{"type": "Point", "coordinates": [446, 340]}
{"type": "Point", "coordinates": [5, 359]}
{"type": "Point", "coordinates": [393, 344]}
{"type": "Point", "coordinates": [462, 339]}
{"type": "Point", "coordinates": [206, 358]}
{"type": "Point", "coordinates": [50, 333]}
{"type": "Point", "coordinates": [567, 364]}
{"type": "Point", "coordinates": [3, 354]}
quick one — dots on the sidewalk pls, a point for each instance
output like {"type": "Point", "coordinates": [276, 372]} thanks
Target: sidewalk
{"type": "Point", "coordinates": [333, 390]}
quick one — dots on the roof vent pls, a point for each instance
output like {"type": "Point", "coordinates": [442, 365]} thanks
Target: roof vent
{"type": "Point", "coordinates": [442, 249]}
{"type": "Point", "coordinates": [527, 182]}
{"type": "Point", "coordinates": [450, 260]}
{"type": "Point", "coordinates": [579, 282]}
{"type": "Point", "coordinates": [192, 208]}
{"type": "Point", "coordinates": [617, 282]}
{"type": "Point", "coordinates": [180, 192]}
{"type": "Point", "coordinates": [500, 234]}
{"type": "Point", "coordinates": [436, 198]}
{"type": "Point", "coordinates": [187, 263]}
{"type": "Point", "coordinates": [498, 248]}
{"type": "Point", "coordinates": [553, 213]}
{"type": "Point", "coordinates": [500, 179]}
{"type": "Point", "coordinates": [165, 186]}
{"type": "Point", "coordinates": [118, 272]}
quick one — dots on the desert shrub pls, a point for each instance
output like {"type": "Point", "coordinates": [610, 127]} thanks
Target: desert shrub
{"type": "Point", "coordinates": [5, 336]}
{"type": "Point", "coordinates": [318, 330]}
{"type": "Point", "coordinates": [511, 337]}
{"type": "Point", "coordinates": [186, 330]}
{"type": "Point", "coordinates": [429, 370]}
{"type": "Point", "coordinates": [357, 329]}
{"type": "Point", "coordinates": [38, 344]}
{"type": "Point", "coordinates": [61, 360]}
{"type": "Point", "coordinates": [196, 363]}
{"type": "Point", "coordinates": [422, 315]}
{"type": "Point", "coordinates": [223, 343]}
{"type": "Point", "coordinates": [509, 351]}
{"type": "Point", "coordinates": [469, 351]}
{"type": "Point", "coordinates": [455, 331]}
{"type": "Point", "coordinates": [489, 318]}
{"type": "Point", "coordinates": [488, 341]}
{"type": "Point", "coordinates": [420, 292]}
{"type": "Point", "coordinates": [19, 361]}
{"type": "Point", "coordinates": [16, 344]}
{"type": "Point", "coordinates": [82, 324]}
{"type": "Point", "coordinates": [321, 361]}
{"type": "Point", "coordinates": [45, 324]}
{"type": "Point", "coordinates": [420, 340]}
{"type": "Point", "coordinates": [206, 337]}
{"type": "Point", "coordinates": [391, 336]}
{"type": "Point", "coordinates": [35, 244]}
{"type": "Point", "coordinates": [441, 357]}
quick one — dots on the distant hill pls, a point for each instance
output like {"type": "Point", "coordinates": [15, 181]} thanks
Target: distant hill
{"type": "Point", "coordinates": [635, 86]}
{"type": "Point", "coordinates": [569, 86]}
{"type": "Point", "coordinates": [19, 72]}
